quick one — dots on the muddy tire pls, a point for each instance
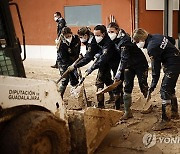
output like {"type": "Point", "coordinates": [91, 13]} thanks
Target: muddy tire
{"type": "Point", "coordinates": [35, 132]}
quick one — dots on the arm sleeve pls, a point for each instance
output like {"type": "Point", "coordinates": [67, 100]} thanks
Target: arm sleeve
{"type": "Point", "coordinates": [106, 55]}
{"type": "Point", "coordinates": [61, 25]}
{"type": "Point", "coordinates": [125, 54]}
{"type": "Point", "coordinates": [62, 53]}
{"type": "Point", "coordinates": [85, 60]}
{"type": "Point", "coordinates": [155, 56]}
{"type": "Point", "coordinates": [88, 56]}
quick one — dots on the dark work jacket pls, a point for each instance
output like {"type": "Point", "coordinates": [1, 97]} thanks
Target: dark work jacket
{"type": "Point", "coordinates": [108, 54]}
{"type": "Point", "coordinates": [67, 54]}
{"type": "Point", "coordinates": [61, 23]}
{"type": "Point", "coordinates": [131, 55]}
{"type": "Point", "coordinates": [162, 51]}
{"type": "Point", "coordinates": [89, 53]}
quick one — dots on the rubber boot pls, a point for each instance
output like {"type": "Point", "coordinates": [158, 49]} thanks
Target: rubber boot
{"type": "Point", "coordinates": [174, 108]}
{"type": "Point", "coordinates": [55, 65]}
{"type": "Point", "coordinates": [100, 99]}
{"type": "Point", "coordinates": [127, 104]}
{"type": "Point", "coordinates": [111, 98]}
{"type": "Point", "coordinates": [166, 118]}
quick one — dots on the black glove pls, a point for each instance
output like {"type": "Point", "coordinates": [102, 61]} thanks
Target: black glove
{"type": "Point", "coordinates": [118, 76]}
{"type": "Point", "coordinates": [88, 71]}
{"type": "Point", "coordinates": [97, 55]}
{"type": "Point", "coordinates": [151, 89]}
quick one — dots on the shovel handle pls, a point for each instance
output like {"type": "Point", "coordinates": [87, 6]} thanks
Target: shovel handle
{"type": "Point", "coordinates": [67, 71]}
{"type": "Point", "coordinates": [109, 88]}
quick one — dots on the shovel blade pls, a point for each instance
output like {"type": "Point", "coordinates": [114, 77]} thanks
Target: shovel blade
{"type": "Point", "coordinates": [142, 104]}
{"type": "Point", "coordinates": [109, 88]}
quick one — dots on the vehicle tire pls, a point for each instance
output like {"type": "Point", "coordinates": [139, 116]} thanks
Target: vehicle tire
{"type": "Point", "coordinates": [35, 132]}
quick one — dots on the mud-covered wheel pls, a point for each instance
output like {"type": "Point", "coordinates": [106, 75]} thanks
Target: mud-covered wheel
{"type": "Point", "coordinates": [35, 132]}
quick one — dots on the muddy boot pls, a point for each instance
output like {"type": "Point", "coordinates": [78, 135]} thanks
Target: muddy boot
{"type": "Point", "coordinates": [100, 99]}
{"type": "Point", "coordinates": [111, 98]}
{"type": "Point", "coordinates": [166, 118]}
{"type": "Point", "coordinates": [127, 104]}
{"type": "Point", "coordinates": [174, 108]}
{"type": "Point", "coordinates": [55, 65]}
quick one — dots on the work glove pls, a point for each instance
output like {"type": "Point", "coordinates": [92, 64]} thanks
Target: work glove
{"type": "Point", "coordinates": [71, 68]}
{"type": "Point", "coordinates": [117, 76]}
{"type": "Point", "coordinates": [88, 71]}
{"type": "Point", "coordinates": [97, 56]}
{"type": "Point", "coordinates": [56, 41]}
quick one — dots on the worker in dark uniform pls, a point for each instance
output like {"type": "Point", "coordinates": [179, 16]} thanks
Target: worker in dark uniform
{"type": "Point", "coordinates": [61, 23]}
{"type": "Point", "coordinates": [104, 74]}
{"type": "Point", "coordinates": [108, 60]}
{"type": "Point", "coordinates": [162, 52]}
{"type": "Point", "coordinates": [68, 52]}
{"type": "Point", "coordinates": [133, 62]}
{"type": "Point", "coordinates": [101, 45]}
{"type": "Point", "coordinates": [117, 36]}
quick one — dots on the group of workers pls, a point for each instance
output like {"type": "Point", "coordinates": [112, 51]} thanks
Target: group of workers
{"type": "Point", "coordinates": [113, 50]}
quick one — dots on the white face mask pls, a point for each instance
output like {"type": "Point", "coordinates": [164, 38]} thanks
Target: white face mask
{"type": "Point", "coordinates": [140, 44]}
{"type": "Point", "coordinates": [98, 38]}
{"type": "Point", "coordinates": [112, 35]}
{"type": "Point", "coordinates": [69, 39]}
{"type": "Point", "coordinates": [83, 40]}
{"type": "Point", "coordinates": [55, 18]}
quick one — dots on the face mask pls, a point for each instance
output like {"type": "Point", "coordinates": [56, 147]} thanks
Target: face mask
{"type": "Point", "coordinates": [55, 18]}
{"type": "Point", "coordinates": [98, 38]}
{"type": "Point", "coordinates": [112, 35]}
{"type": "Point", "coordinates": [140, 44]}
{"type": "Point", "coordinates": [83, 40]}
{"type": "Point", "coordinates": [69, 39]}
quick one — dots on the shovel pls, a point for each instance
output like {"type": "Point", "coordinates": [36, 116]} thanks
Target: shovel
{"type": "Point", "coordinates": [143, 105]}
{"type": "Point", "coordinates": [109, 88]}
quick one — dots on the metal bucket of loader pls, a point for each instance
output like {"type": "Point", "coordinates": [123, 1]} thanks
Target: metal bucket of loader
{"type": "Point", "coordinates": [89, 127]}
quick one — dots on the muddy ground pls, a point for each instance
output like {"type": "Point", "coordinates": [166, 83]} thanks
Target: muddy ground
{"type": "Point", "coordinates": [127, 136]}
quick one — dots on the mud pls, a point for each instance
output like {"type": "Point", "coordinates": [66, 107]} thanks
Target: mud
{"type": "Point", "coordinates": [127, 136]}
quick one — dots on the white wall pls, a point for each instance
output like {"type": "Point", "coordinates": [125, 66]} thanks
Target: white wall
{"type": "Point", "coordinates": [43, 52]}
